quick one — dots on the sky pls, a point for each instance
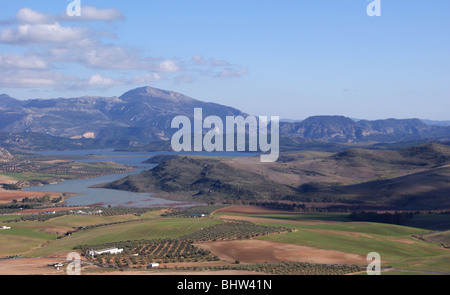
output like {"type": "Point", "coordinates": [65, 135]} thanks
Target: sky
{"type": "Point", "coordinates": [292, 59]}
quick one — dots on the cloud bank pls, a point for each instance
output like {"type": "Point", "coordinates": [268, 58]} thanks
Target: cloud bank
{"type": "Point", "coordinates": [54, 44]}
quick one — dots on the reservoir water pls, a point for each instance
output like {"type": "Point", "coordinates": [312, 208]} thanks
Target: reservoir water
{"type": "Point", "coordinates": [85, 195]}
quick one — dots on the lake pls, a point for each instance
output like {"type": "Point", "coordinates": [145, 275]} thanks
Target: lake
{"type": "Point", "coordinates": [105, 197]}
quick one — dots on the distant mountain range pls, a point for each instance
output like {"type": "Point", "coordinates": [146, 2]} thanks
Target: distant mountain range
{"type": "Point", "coordinates": [343, 129]}
{"type": "Point", "coordinates": [437, 123]}
{"type": "Point", "coordinates": [143, 115]}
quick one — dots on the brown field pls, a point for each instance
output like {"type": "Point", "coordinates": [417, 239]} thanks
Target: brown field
{"type": "Point", "coordinates": [7, 180]}
{"type": "Point", "coordinates": [8, 196]}
{"type": "Point", "coordinates": [40, 266]}
{"type": "Point", "coordinates": [193, 264]}
{"type": "Point", "coordinates": [260, 251]}
{"type": "Point", "coordinates": [279, 221]}
{"type": "Point", "coordinates": [32, 266]}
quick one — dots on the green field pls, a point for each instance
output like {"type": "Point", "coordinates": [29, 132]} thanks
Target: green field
{"type": "Point", "coordinates": [338, 217]}
{"type": "Point", "coordinates": [4, 218]}
{"type": "Point", "coordinates": [441, 238]}
{"type": "Point", "coordinates": [394, 243]}
{"type": "Point", "coordinates": [23, 237]}
{"type": "Point", "coordinates": [331, 231]}
{"type": "Point", "coordinates": [336, 231]}
{"type": "Point", "coordinates": [133, 230]}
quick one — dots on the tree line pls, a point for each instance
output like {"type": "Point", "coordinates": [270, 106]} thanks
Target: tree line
{"type": "Point", "coordinates": [399, 218]}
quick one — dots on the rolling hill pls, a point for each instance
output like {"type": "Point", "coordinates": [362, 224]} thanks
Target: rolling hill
{"type": "Point", "coordinates": [411, 178]}
{"type": "Point", "coordinates": [424, 156]}
{"type": "Point", "coordinates": [426, 190]}
{"type": "Point", "coordinates": [202, 179]}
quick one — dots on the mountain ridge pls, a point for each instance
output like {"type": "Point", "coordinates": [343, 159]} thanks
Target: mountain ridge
{"type": "Point", "coordinates": [143, 115]}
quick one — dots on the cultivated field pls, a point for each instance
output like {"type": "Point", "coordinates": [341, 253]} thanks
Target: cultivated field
{"type": "Point", "coordinates": [260, 239]}
{"type": "Point", "coordinates": [262, 251]}
{"type": "Point", "coordinates": [7, 197]}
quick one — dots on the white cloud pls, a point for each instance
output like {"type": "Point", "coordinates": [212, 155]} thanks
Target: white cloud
{"type": "Point", "coordinates": [100, 56]}
{"type": "Point", "coordinates": [16, 61]}
{"type": "Point", "coordinates": [96, 81]}
{"type": "Point", "coordinates": [29, 78]}
{"type": "Point", "coordinates": [199, 60]}
{"type": "Point", "coordinates": [218, 63]}
{"type": "Point", "coordinates": [88, 13]}
{"type": "Point", "coordinates": [99, 80]}
{"type": "Point", "coordinates": [56, 43]}
{"type": "Point", "coordinates": [232, 73]}
{"type": "Point", "coordinates": [41, 33]}
{"type": "Point", "coordinates": [168, 66]}
{"type": "Point", "coordinates": [30, 16]}
{"type": "Point", "coordinates": [147, 78]}
{"type": "Point", "coordinates": [95, 14]}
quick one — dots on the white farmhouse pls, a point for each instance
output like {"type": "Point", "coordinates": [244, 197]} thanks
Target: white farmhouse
{"type": "Point", "coordinates": [113, 251]}
{"type": "Point", "coordinates": [153, 265]}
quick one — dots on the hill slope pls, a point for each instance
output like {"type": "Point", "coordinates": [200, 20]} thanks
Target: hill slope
{"type": "Point", "coordinates": [411, 178]}
{"type": "Point", "coordinates": [424, 190]}
{"type": "Point", "coordinates": [196, 178]}
{"type": "Point", "coordinates": [426, 156]}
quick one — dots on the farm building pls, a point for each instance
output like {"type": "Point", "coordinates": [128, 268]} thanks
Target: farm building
{"type": "Point", "coordinates": [153, 265]}
{"type": "Point", "coordinates": [5, 227]}
{"type": "Point", "coordinates": [197, 215]}
{"type": "Point", "coordinates": [105, 251]}
{"type": "Point", "coordinates": [57, 264]}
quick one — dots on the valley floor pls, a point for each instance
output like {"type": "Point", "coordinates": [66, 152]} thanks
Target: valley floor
{"type": "Point", "coordinates": [327, 242]}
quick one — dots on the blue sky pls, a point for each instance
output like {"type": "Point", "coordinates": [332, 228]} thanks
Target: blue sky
{"type": "Point", "coordinates": [291, 59]}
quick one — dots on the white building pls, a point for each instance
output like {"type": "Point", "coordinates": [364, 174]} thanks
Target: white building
{"type": "Point", "coordinates": [5, 227]}
{"type": "Point", "coordinates": [153, 265]}
{"type": "Point", "coordinates": [113, 251]}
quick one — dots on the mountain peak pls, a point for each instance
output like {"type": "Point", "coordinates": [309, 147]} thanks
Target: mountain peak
{"type": "Point", "coordinates": [6, 97]}
{"type": "Point", "coordinates": [8, 101]}
{"type": "Point", "coordinates": [150, 93]}
{"type": "Point", "coordinates": [329, 120]}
